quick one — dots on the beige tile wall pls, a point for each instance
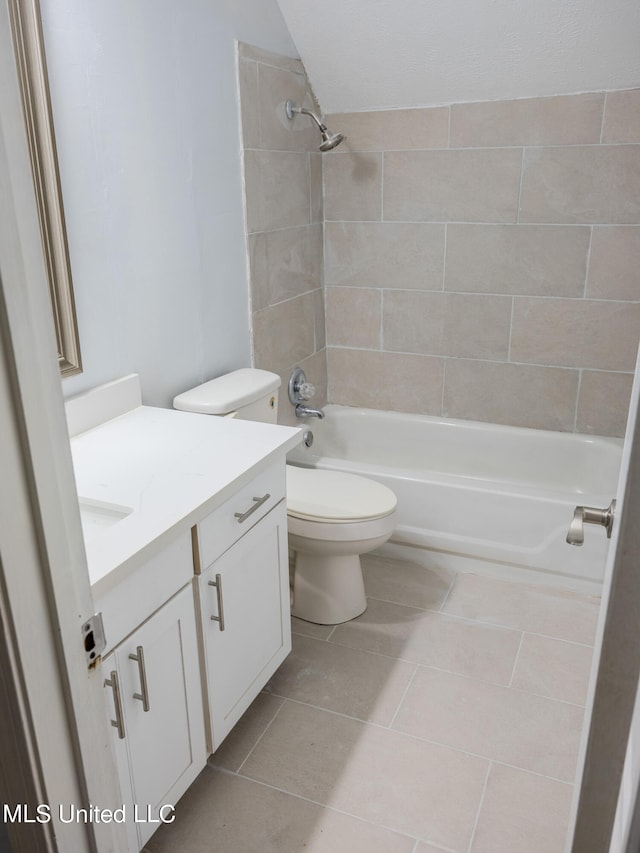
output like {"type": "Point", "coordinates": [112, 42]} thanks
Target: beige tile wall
{"type": "Point", "coordinates": [284, 216]}
{"type": "Point", "coordinates": [478, 261]}
{"type": "Point", "coordinates": [483, 261]}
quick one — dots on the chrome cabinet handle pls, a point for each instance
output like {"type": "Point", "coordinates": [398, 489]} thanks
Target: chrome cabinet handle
{"type": "Point", "coordinates": [144, 696]}
{"type": "Point", "coordinates": [590, 515]}
{"type": "Point", "coordinates": [114, 684]}
{"type": "Point", "coordinates": [243, 516]}
{"type": "Point", "coordinates": [218, 585]}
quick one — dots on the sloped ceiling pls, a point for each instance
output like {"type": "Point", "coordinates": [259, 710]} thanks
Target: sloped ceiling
{"type": "Point", "coordinates": [385, 54]}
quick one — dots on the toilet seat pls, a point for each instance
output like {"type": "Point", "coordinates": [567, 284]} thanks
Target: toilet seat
{"type": "Point", "coordinates": [336, 497]}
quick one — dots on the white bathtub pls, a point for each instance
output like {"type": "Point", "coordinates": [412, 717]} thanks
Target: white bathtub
{"type": "Point", "coordinates": [478, 497]}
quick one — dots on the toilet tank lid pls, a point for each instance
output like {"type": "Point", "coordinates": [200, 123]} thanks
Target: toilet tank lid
{"type": "Point", "coordinates": [228, 392]}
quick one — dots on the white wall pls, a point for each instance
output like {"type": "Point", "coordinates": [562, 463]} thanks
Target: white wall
{"type": "Point", "coordinates": [145, 106]}
{"type": "Point", "coordinates": [381, 54]}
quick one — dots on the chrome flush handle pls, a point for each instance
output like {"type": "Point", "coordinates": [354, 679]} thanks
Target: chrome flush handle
{"type": "Point", "coordinates": [590, 515]}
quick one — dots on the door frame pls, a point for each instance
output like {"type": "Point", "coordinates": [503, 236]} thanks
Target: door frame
{"type": "Point", "coordinates": [616, 665]}
{"type": "Point", "coordinates": [55, 702]}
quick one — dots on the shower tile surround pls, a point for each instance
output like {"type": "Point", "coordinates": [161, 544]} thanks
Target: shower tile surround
{"type": "Point", "coordinates": [492, 251]}
{"type": "Point", "coordinates": [284, 220]}
{"type": "Point", "coordinates": [477, 261]}
{"type": "Point", "coordinates": [445, 718]}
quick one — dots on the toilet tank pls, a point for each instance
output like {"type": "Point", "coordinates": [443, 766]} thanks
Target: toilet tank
{"type": "Point", "coordinates": [249, 394]}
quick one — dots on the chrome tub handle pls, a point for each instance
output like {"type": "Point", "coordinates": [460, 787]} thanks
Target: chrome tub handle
{"type": "Point", "coordinates": [590, 515]}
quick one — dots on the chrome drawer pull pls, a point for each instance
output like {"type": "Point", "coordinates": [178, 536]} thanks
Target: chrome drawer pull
{"type": "Point", "coordinates": [144, 696]}
{"type": "Point", "coordinates": [243, 516]}
{"type": "Point", "coordinates": [218, 585]}
{"type": "Point", "coordinates": [114, 684]}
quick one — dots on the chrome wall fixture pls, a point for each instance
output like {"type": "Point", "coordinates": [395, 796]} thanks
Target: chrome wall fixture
{"type": "Point", "coordinates": [299, 392]}
{"type": "Point", "coordinates": [590, 515]}
{"type": "Point", "coordinates": [329, 140]}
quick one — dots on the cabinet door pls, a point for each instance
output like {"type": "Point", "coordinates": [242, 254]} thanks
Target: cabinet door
{"type": "Point", "coordinates": [248, 588]}
{"type": "Point", "coordinates": [162, 708]}
{"type": "Point", "coordinates": [115, 712]}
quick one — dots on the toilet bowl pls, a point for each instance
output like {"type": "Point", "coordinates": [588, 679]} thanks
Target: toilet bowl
{"type": "Point", "coordinates": [333, 517]}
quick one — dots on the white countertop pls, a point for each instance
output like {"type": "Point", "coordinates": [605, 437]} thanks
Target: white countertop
{"type": "Point", "coordinates": [171, 469]}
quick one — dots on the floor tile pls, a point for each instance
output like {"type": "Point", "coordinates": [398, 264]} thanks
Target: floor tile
{"type": "Point", "coordinates": [433, 639]}
{"type": "Point", "coordinates": [230, 814]}
{"type": "Point", "coordinates": [540, 610]}
{"type": "Point", "coordinates": [352, 682]}
{"type": "Point", "coordinates": [310, 629]}
{"type": "Point", "coordinates": [404, 582]}
{"type": "Point", "coordinates": [500, 723]}
{"type": "Point", "coordinates": [522, 813]}
{"type": "Point", "coordinates": [553, 668]}
{"type": "Point", "coordinates": [246, 733]}
{"type": "Point", "coordinates": [418, 788]}
{"type": "Point", "coordinates": [349, 782]}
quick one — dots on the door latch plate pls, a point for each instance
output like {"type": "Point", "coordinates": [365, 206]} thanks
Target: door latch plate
{"type": "Point", "coordinates": [93, 639]}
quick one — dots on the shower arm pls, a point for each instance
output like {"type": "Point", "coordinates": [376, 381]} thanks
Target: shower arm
{"type": "Point", "coordinates": [291, 109]}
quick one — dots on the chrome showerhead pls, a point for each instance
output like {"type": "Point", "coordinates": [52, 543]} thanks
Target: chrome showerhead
{"type": "Point", "coordinates": [329, 140]}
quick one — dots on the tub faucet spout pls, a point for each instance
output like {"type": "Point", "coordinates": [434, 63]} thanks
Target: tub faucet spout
{"type": "Point", "coordinates": [308, 412]}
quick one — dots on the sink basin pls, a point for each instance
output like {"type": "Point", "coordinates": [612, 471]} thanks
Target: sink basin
{"type": "Point", "coordinates": [97, 516]}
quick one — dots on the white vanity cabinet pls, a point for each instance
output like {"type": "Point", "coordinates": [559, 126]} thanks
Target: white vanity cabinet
{"type": "Point", "coordinates": [243, 591]}
{"type": "Point", "coordinates": [165, 495]}
{"type": "Point", "coordinates": [154, 700]}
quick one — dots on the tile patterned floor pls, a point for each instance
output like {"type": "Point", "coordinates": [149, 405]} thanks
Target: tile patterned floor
{"type": "Point", "coordinates": [445, 718]}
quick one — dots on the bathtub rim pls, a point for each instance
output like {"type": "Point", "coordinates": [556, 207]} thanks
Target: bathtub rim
{"type": "Point", "coordinates": [308, 457]}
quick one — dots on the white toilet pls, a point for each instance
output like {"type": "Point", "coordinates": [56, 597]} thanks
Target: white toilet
{"type": "Point", "coordinates": [333, 517]}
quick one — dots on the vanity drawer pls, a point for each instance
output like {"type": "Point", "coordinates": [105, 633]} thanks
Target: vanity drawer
{"type": "Point", "coordinates": [145, 589]}
{"type": "Point", "coordinates": [218, 531]}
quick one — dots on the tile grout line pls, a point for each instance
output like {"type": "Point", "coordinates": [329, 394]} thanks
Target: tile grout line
{"type": "Point", "coordinates": [444, 281]}
{"type": "Point", "coordinates": [447, 594]}
{"type": "Point", "coordinates": [431, 666]}
{"type": "Point", "coordinates": [249, 754]}
{"type": "Point", "coordinates": [513, 308]}
{"type": "Point", "coordinates": [515, 146]}
{"type": "Point", "coordinates": [382, 219]}
{"type": "Point", "coordinates": [519, 203]}
{"type": "Point", "coordinates": [480, 804]}
{"type": "Point", "coordinates": [467, 619]}
{"type": "Point", "coordinates": [515, 662]}
{"type": "Point", "coordinates": [604, 113]}
{"type": "Point", "coordinates": [328, 807]}
{"type": "Point", "coordinates": [402, 698]}
{"type": "Point", "coordinates": [413, 737]}
{"type": "Point", "coordinates": [434, 668]}
{"type": "Point", "coordinates": [501, 625]}
{"type": "Point", "coordinates": [502, 222]}
{"type": "Point", "coordinates": [588, 263]}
